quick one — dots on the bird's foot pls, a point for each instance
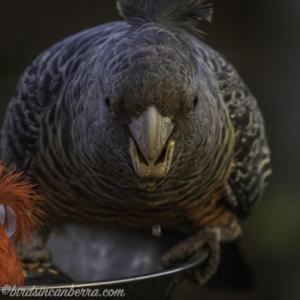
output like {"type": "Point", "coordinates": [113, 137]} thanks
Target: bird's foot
{"type": "Point", "coordinates": [44, 273]}
{"type": "Point", "coordinates": [186, 249]}
{"type": "Point", "coordinates": [37, 265]}
{"type": "Point", "coordinates": [34, 254]}
{"type": "Point", "coordinates": [207, 238]}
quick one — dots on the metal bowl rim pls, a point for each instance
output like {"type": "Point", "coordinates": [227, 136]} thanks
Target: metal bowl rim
{"type": "Point", "coordinates": [193, 262]}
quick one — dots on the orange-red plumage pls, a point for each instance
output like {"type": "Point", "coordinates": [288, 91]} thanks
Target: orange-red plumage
{"type": "Point", "coordinates": [22, 211]}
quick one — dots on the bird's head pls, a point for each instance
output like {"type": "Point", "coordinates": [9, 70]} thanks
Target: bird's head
{"type": "Point", "coordinates": [157, 102]}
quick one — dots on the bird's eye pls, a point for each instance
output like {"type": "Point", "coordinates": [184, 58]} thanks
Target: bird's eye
{"type": "Point", "coordinates": [195, 101]}
{"type": "Point", "coordinates": [107, 102]}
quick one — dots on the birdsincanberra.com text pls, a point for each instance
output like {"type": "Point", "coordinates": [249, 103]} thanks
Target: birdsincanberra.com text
{"type": "Point", "coordinates": [14, 291]}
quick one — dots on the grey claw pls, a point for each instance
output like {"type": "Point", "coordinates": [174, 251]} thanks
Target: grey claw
{"type": "Point", "coordinates": [186, 249]}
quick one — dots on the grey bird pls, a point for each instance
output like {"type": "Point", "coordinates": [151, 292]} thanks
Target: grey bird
{"type": "Point", "coordinates": [139, 123]}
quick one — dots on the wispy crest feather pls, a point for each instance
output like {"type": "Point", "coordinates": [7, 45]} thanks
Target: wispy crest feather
{"type": "Point", "coordinates": [177, 14]}
{"type": "Point", "coordinates": [21, 205]}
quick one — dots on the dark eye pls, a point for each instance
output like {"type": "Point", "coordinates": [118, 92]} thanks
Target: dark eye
{"type": "Point", "coordinates": [195, 101]}
{"type": "Point", "coordinates": [107, 102]}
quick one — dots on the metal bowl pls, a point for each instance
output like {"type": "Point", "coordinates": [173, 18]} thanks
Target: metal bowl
{"type": "Point", "coordinates": [107, 260]}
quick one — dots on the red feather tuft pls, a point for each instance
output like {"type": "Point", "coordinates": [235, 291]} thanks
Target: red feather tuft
{"type": "Point", "coordinates": [11, 271]}
{"type": "Point", "coordinates": [21, 204]}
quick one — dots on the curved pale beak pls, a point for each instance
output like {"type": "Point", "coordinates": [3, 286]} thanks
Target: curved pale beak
{"type": "Point", "coordinates": [151, 150]}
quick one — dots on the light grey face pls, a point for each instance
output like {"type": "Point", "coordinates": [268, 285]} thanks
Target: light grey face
{"type": "Point", "coordinates": [150, 149]}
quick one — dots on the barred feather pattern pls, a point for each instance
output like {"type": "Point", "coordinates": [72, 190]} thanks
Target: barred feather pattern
{"type": "Point", "coordinates": [251, 167]}
{"type": "Point", "coordinates": [47, 116]}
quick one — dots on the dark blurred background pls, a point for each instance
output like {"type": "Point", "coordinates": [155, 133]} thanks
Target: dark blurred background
{"type": "Point", "coordinates": [262, 40]}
